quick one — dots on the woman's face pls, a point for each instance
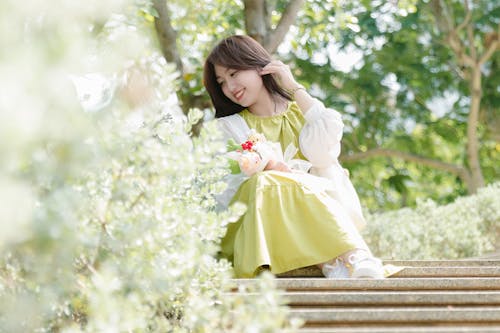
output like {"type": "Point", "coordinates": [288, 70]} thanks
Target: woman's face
{"type": "Point", "coordinates": [243, 87]}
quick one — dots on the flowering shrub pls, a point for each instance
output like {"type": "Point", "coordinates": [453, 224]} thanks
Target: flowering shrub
{"type": "Point", "coordinates": [466, 228]}
{"type": "Point", "coordinates": [107, 222]}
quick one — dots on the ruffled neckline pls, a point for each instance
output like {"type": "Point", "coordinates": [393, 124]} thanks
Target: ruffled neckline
{"type": "Point", "coordinates": [249, 114]}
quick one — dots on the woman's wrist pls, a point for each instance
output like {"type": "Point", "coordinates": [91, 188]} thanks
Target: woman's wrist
{"type": "Point", "coordinates": [294, 90]}
{"type": "Point", "coordinates": [300, 95]}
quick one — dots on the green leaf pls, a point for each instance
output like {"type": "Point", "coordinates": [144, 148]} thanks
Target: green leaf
{"type": "Point", "coordinates": [232, 145]}
{"type": "Point", "coordinates": [234, 167]}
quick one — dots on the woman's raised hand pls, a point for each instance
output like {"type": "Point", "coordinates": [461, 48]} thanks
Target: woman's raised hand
{"type": "Point", "coordinates": [282, 73]}
{"type": "Point", "coordinates": [284, 76]}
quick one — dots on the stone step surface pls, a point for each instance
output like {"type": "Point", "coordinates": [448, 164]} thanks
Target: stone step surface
{"type": "Point", "coordinates": [384, 299]}
{"type": "Point", "coordinates": [392, 298]}
{"type": "Point", "coordinates": [423, 268]}
{"type": "Point", "coordinates": [297, 284]}
{"type": "Point", "coordinates": [470, 328]}
{"type": "Point", "coordinates": [374, 314]}
{"type": "Point", "coordinates": [445, 263]}
{"type": "Point", "coordinates": [426, 296]}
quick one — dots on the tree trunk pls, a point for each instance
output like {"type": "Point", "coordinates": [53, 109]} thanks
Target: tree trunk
{"type": "Point", "coordinates": [462, 41]}
{"type": "Point", "coordinates": [167, 36]}
{"type": "Point", "coordinates": [472, 137]}
{"type": "Point", "coordinates": [258, 22]}
{"type": "Point", "coordinates": [256, 19]}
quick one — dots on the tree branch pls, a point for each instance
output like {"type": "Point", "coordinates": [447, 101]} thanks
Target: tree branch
{"type": "Point", "coordinates": [470, 33]}
{"type": "Point", "coordinates": [466, 20]}
{"type": "Point", "coordinates": [444, 22]}
{"type": "Point", "coordinates": [445, 14]}
{"type": "Point", "coordinates": [422, 103]}
{"type": "Point", "coordinates": [457, 170]}
{"type": "Point", "coordinates": [167, 36]}
{"type": "Point", "coordinates": [275, 37]}
{"type": "Point", "coordinates": [458, 47]}
{"type": "Point", "coordinates": [494, 46]}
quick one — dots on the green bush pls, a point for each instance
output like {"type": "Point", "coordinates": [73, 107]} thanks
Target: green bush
{"type": "Point", "coordinates": [465, 228]}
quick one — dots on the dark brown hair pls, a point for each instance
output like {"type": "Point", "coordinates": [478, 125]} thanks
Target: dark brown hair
{"type": "Point", "coordinates": [241, 53]}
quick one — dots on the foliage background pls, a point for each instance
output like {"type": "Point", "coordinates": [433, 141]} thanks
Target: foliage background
{"type": "Point", "coordinates": [107, 220]}
{"type": "Point", "coordinates": [416, 81]}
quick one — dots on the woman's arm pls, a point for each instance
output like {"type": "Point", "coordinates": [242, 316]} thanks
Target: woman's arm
{"type": "Point", "coordinates": [320, 138]}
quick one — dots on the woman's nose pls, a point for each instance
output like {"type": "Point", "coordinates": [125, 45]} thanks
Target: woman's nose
{"type": "Point", "coordinates": [231, 85]}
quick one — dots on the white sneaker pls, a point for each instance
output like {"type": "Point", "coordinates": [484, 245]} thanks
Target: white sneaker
{"type": "Point", "coordinates": [337, 271]}
{"type": "Point", "coordinates": [365, 266]}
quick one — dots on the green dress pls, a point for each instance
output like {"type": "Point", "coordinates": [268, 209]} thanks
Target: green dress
{"type": "Point", "coordinates": [291, 221]}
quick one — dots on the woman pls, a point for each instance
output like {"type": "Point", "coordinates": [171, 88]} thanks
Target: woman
{"type": "Point", "coordinates": [301, 211]}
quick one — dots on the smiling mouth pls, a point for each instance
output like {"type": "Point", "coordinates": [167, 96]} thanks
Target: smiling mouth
{"type": "Point", "coordinates": [239, 94]}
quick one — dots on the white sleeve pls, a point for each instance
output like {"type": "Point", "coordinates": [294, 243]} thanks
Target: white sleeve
{"type": "Point", "coordinates": [320, 137]}
{"type": "Point", "coordinates": [232, 127]}
{"type": "Point", "coordinates": [320, 143]}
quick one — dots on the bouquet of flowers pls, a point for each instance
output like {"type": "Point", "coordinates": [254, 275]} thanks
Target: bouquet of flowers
{"type": "Point", "coordinates": [256, 152]}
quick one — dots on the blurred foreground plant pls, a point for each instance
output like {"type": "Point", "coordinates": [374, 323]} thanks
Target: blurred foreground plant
{"type": "Point", "coordinates": [107, 222]}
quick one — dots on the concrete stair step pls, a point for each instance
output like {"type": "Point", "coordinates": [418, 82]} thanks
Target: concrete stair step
{"type": "Point", "coordinates": [445, 263]}
{"type": "Point", "coordinates": [419, 269]}
{"type": "Point", "coordinates": [391, 298]}
{"type": "Point", "coordinates": [406, 315]}
{"type": "Point", "coordinates": [401, 284]}
{"type": "Point", "coordinates": [466, 328]}
{"type": "Point", "coordinates": [426, 296]}
{"type": "Point", "coordinates": [323, 299]}
{"type": "Point", "coordinates": [480, 271]}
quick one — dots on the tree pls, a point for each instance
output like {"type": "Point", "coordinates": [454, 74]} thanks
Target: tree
{"type": "Point", "coordinates": [458, 30]}
{"type": "Point", "coordinates": [408, 62]}
{"type": "Point", "coordinates": [395, 138]}
{"type": "Point", "coordinates": [472, 50]}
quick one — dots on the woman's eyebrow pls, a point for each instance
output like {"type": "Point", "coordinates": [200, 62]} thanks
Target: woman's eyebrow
{"type": "Point", "coordinates": [218, 77]}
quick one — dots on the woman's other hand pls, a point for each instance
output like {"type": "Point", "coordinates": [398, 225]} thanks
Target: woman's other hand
{"type": "Point", "coordinates": [277, 166]}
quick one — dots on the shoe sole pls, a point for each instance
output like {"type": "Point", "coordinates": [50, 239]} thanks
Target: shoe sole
{"type": "Point", "coordinates": [367, 273]}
